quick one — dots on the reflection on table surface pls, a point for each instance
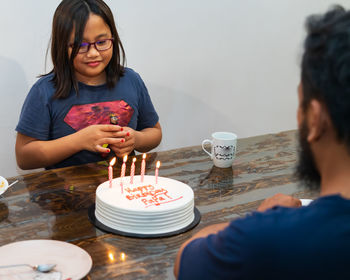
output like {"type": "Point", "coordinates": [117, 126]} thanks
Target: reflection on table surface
{"type": "Point", "coordinates": [53, 204]}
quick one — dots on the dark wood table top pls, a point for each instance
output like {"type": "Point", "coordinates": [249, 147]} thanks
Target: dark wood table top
{"type": "Point", "coordinates": [54, 204]}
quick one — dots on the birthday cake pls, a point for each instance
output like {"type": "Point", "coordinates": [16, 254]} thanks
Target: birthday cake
{"type": "Point", "coordinates": [145, 208]}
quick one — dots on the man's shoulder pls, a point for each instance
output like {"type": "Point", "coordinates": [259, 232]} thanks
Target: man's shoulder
{"type": "Point", "coordinates": [282, 221]}
{"type": "Point", "coordinates": [270, 222]}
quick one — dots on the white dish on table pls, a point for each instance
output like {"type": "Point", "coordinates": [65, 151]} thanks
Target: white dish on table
{"type": "Point", "coordinates": [3, 185]}
{"type": "Point", "coordinates": [71, 261]}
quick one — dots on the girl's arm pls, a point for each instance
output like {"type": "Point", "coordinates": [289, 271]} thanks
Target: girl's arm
{"type": "Point", "coordinates": [141, 141]}
{"type": "Point", "coordinates": [33, 153]}
{"type": "Point", "coordinates": [148, 138]}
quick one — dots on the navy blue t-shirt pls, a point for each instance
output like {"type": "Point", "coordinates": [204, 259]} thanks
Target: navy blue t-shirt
{"type": "Point", "coordinates": [45, 118]}
{"type": "Point", "coordinates": [310, 242]}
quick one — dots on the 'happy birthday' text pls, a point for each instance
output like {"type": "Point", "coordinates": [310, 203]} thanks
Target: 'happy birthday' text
{"type": "Point", "coordinates": [149, 195]}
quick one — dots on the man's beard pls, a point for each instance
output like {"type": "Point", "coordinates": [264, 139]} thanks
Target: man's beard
{"type": "Point", "coordinates": [306, 169]}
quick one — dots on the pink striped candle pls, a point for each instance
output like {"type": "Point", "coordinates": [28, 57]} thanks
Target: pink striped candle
{"type": "Point", "coordinates": [157, 171]}
{"type": "Point", "coordinates": [122, 173]}
{"type": "Point", "coordinates": [132, 171]}
{"type": "Point", "coordinates": [110, 171]}
{"type": "Point", "coordinates": [143, 167]}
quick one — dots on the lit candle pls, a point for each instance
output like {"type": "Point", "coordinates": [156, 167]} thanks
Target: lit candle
{"type": "Point", "coordinates": [122, 173]}
{"type": "Point", "coordinates": [132, 171]}
{"type": "Point", "coordinates": [110, 171]}
{"type": "Point", "coordinates": [143, 167]}
{"type": "Point", "coordinates": [157, 171]}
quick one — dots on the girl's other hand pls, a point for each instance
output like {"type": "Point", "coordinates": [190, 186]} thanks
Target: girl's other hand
{"type": "Point", "coordinates": [93, 137]}
{"type": "Point", "coordinates": [126, 144]}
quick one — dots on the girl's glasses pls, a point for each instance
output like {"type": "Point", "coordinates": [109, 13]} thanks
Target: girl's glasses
{"type": "Point", "coordinates": [100, 45]}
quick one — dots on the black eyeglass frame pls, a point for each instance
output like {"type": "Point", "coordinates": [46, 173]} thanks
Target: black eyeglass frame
{"type": "Point", "coordinates": [95, 45]}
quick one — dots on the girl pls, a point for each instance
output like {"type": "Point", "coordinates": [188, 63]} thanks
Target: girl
{"type": "Point", "coordinates": [65, 119]}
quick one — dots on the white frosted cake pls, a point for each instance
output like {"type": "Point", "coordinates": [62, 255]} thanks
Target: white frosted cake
{"type": "Point", "coordinates": [145, 208]}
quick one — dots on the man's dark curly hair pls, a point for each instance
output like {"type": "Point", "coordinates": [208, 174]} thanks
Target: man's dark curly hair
{"type": "Point", "coordinates": [325, 67]}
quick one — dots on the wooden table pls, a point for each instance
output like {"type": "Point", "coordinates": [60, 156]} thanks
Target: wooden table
{"type": "Point", "coordinates": [53, 204]}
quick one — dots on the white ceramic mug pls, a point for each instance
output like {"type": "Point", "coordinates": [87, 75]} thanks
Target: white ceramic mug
{"type": "Point", "coordinates": [223, 148]}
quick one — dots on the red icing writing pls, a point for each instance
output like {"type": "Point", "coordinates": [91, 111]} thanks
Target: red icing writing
{"type": "Point", "coordinates": [149, 195]}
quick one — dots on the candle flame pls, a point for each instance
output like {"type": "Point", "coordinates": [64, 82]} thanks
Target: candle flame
{"type": "Point", "coordinates": [158, 164]}
{"type": "Point", "coordinates": [122, 256]}
{"type": "Point", "coordinates": [112, 162]}
{"type": "Point", "coordinates": [134, 159]}
{"type": "Point", "coordinates": [125, 158]}
{"type": "Point", "coordinates": [144, 156]}
{"type": "Point", "coordinates": [111, 256]}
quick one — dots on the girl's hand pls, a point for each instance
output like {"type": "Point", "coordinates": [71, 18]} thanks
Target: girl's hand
{"type": "Point", "coordinates": [93, 137]}
{"type": "Point", "coordinates": [126, 144]}
{"type": "Point", "coordinates": [141, 141]}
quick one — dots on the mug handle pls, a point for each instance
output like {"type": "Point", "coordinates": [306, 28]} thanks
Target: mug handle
{"type": "Point", "coordinates": [206, 141]}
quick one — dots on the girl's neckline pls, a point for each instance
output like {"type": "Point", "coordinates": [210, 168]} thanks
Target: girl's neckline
{"type": "Point", "coordinates": [81, 84]}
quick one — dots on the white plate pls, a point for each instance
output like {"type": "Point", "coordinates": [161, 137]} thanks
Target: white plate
{"type": "Point", "coordinates": [71, 261]}
{"type": "Point", "coordinates": [3, 185]}
{"type": "Point", "coordinates": [305, 202]}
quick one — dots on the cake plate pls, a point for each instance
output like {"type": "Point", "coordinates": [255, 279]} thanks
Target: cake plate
{"type": "Point", "coordinates": [99, 225]}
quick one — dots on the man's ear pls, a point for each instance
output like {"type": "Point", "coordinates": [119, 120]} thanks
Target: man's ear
{"type": "Point", "coordinates": [317, 120]}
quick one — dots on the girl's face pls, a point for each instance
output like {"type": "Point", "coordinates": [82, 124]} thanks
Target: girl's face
{"type": "Point", "coordinates": [90, 66]}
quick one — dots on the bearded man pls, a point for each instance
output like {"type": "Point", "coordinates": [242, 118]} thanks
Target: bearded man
{"type": "Point", "coordinates": [282, 240]}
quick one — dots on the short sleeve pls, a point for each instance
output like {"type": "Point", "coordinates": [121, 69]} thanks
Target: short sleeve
{"type": "Point", "coordinates": [218, 256]}
{"type": "Point", "coordinates": [34, 120]}
{"type": "Point", "coordinates": [148, 116]}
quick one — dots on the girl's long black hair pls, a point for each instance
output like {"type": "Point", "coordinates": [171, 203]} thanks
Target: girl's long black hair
{"type": "Point", "coordinates": [72, 15]}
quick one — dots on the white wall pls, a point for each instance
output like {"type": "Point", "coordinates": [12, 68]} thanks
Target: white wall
{"type": "Point", "coordinates": [209, 65]}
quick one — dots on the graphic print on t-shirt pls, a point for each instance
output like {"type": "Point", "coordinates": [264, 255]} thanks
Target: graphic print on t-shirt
{"type": "Point", "coordinates": [81, 116]}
